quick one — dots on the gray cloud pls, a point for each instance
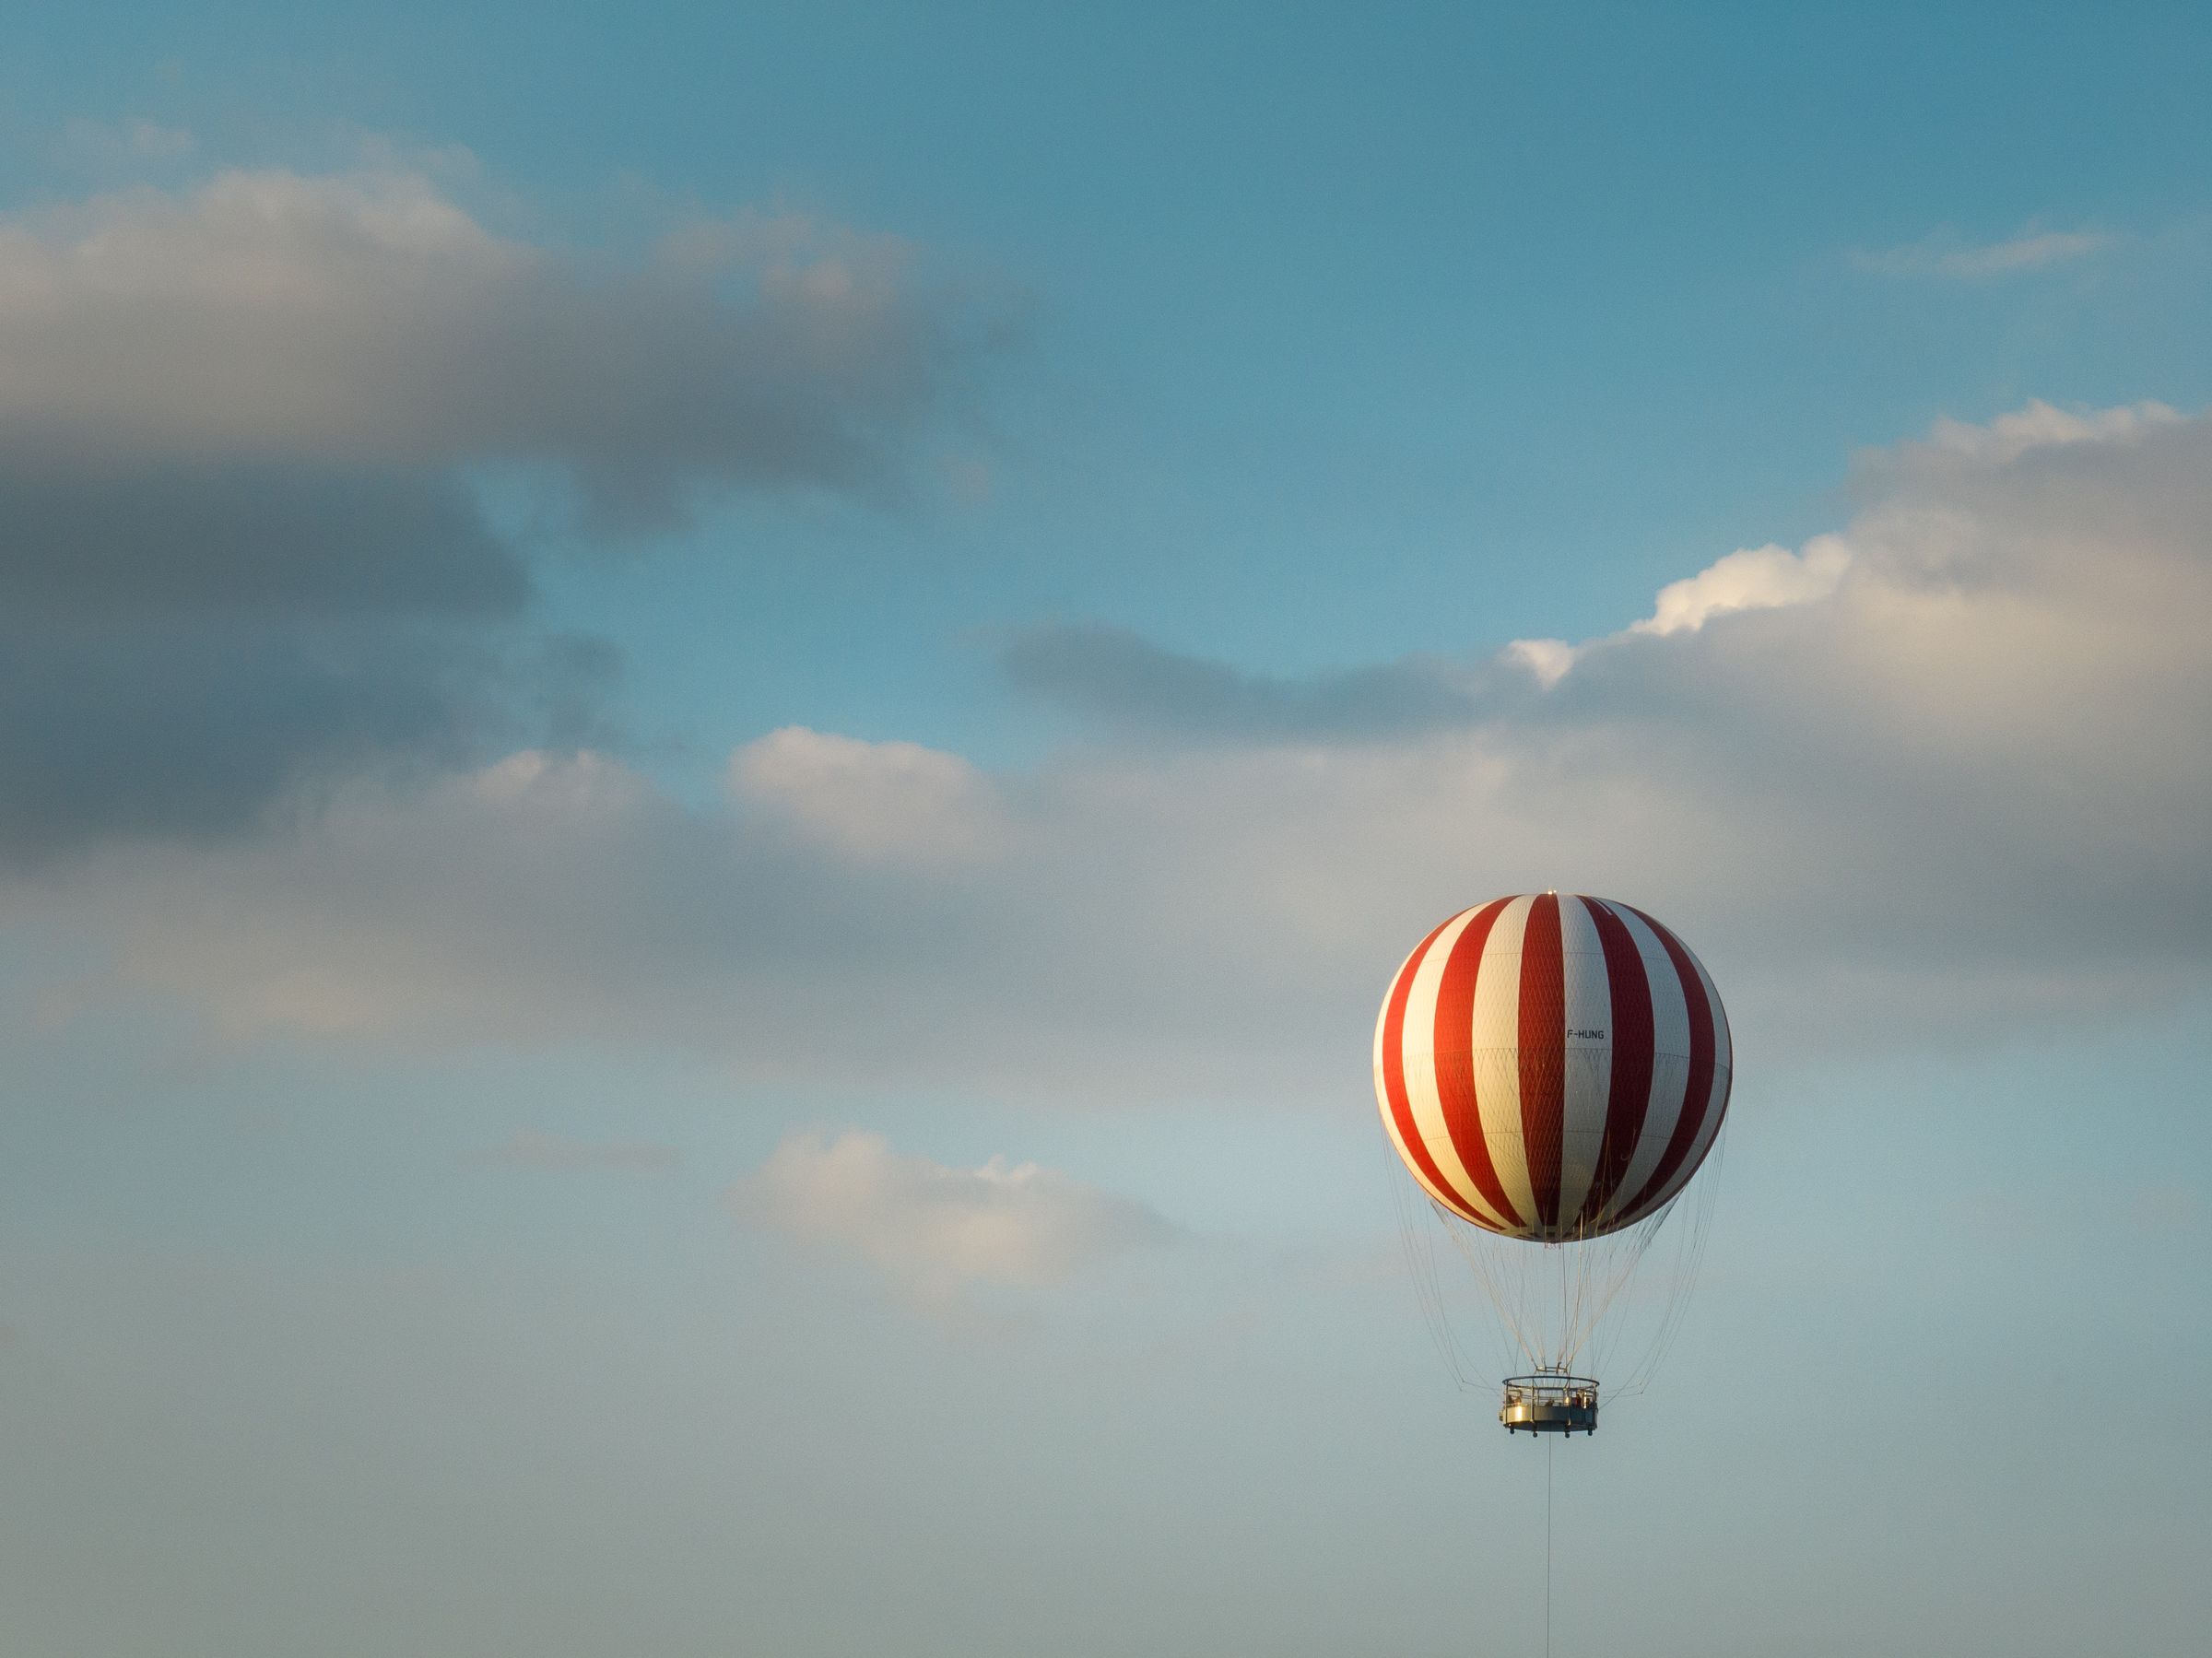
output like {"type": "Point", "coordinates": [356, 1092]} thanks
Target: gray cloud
{"type": "Point", "coordinates": [368, 320]}
{"type": "Point", "coordinates": [241, 554]}
{"type": "Point", "coordinates": [153, 728]}
{"type": "Point", "coordinates": [260, 540]}
{"type": "Point", "coordinates": [1127, 683]}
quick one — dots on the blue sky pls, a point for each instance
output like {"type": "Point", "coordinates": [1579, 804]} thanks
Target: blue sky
{"type": "Point", "coordinates": [1349, 334]}
{"type": "Point", "coordinates": [654, 670]}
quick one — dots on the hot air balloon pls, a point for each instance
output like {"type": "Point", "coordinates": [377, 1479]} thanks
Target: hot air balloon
{"type": "Point", "coordinates": [1552, 1070]}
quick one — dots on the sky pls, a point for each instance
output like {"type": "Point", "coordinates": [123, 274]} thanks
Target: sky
{"type": "Point", "coordinates": [716, 728]}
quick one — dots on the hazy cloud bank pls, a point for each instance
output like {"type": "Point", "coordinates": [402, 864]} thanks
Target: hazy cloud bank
{"type": "Point", "coordinates": [1936, 774]}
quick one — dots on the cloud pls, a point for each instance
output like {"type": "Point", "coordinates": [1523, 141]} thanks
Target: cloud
{"type": "Point", "coordinates": [529, 1151]}
{"type": "Point", "coordinates": [1764, 577]}
{"type": "Point", "coordinates": [1947, 254]}
{"type": "Point", "coordinates": [1125, 681]}
{"type": "Point", "coordinates": [367, 319]}
{"type": "Point", "coordinates": [243, 429]}
{"type": "Point", "coordinates": [252, 539]}
{"type": "Point", "coordinates": [1547, 661]}
{"type": "Point", "coordinates": [156, 730]}
{"type": "Point", "coordinates": [1128, 685]}
{"type": "Point", "coordinates": [1955, 445]}
{"type": "Point", "coordinates": [876, 802]}
{"type": "Point", "coordinates": [935, 1230]}
{"type": "Point", "coordinates": [1935, 775]}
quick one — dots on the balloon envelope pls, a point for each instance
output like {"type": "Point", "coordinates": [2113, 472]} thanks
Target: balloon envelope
{"type": "Point", "coordinates": [1551, 1066]}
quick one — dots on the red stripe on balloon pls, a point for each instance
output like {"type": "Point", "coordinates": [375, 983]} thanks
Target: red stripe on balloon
{"type": "Point", "coordinates": [1394, 1086]}
{"type": "Point", "coordinates": [1453, 1047]}
{"type": "Point", "coordinates": [1697, 1090]}
{"type": "Point", "coordinates": [1544, 1054]}
{"type": "Point", "coordinates": [1629, 1095]}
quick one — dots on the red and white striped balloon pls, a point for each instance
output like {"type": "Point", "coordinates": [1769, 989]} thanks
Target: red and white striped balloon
{"type": "Point", "coordinates": [1551, 1066]}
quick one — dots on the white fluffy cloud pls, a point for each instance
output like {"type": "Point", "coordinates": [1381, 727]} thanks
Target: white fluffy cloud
{"type": "Point", "coordinates": [1938, 773]}
{"type": "Point", "coordinates": [1762, 577]}
{"type": "Point", "coordinates": [933, 1229]}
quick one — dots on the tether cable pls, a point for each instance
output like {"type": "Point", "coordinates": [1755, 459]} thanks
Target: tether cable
{"type": "Point", "coordinates": [1550, 1445]}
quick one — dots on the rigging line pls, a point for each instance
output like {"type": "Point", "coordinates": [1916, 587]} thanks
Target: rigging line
{"type": "Point", "coordinates": [1420, 1261]}
{"type": "Point", "coordinates": [1570, 1335]}
{"type": "Point", "coordinates": [1422, 1265]}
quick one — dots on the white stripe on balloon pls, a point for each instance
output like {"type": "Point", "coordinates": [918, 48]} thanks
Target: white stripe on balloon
{"type": "Point", "coordinates": [1589, 1059]}
{"type": "Point", "coordinates": [1497, 1055]}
